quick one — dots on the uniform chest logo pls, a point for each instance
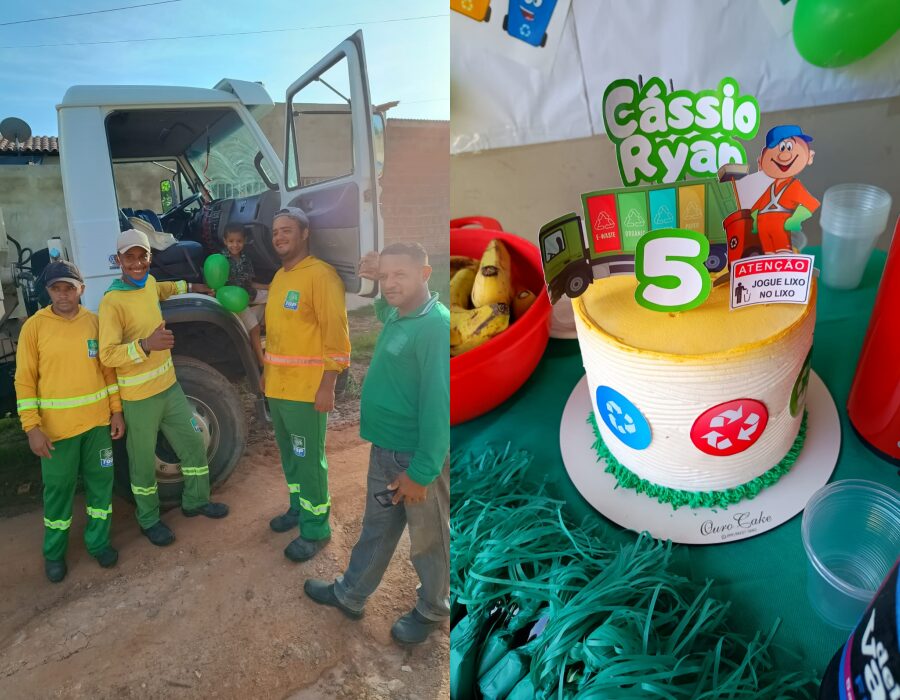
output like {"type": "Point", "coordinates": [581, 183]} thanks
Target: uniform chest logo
{"type": "Point", "coordinates": [93, 347]}
{"type": "Point", "coordinates": [292, 300]}
{"type": "Point", "coordinates": [106, 457]}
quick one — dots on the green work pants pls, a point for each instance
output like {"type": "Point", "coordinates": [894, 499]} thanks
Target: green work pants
{"type": "Point", "coordinates": [91, 453]}
{"type": "Point", "coordinates": [300, 434]}
{"type": "Point", "coordinates": [170, 413]}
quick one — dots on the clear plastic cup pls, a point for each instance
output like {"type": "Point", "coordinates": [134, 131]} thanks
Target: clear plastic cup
{"type": "Point", "coordinates": [852, 218]}
{"type": "Point", "coordinates": [851, 534]}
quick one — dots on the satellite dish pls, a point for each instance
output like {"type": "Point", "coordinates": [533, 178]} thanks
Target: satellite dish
{"type": "Point", "coordinates": [15, 129]}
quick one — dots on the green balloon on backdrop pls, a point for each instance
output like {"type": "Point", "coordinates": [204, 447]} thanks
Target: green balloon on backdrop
{"type": "Point", "coordinates": [233, 298]}
{"type": "Point", "coordinates": [832, 33]}
{"type": "Point", "coordinates": [215, 271]}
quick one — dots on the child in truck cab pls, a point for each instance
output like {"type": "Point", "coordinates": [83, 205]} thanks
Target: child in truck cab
{"type": "Point", "coordinates": [241, 274]}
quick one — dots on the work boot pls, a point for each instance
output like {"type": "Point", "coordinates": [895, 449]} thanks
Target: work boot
{"type": "Point", "coordinates": [285, 521]}
{"type": "Point", "coordinates": [322, 592]}
{"type": "Point", "coordinates": [55, 570]}
{"type": "Point", "coordinates": [107, 557]}
{"type": "Point", "coordinates": [301, 549]}
{"type": "Point", "coordinates": [159, 534]}
{"type": "Point", "coordinates": [210, 510]}
{"type": "Point", "coordinates": [413, 628]}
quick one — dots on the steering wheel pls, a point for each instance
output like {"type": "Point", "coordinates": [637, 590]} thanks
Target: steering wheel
{"type": "Point", "coordinates": [181, 206]}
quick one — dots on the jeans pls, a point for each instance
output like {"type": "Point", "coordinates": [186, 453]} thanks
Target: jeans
{"type": "Point", "coordinates": [429, 536]}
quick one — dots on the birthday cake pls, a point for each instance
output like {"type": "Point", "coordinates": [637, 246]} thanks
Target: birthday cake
{"type": "Point", "coordinates": [699, 408]}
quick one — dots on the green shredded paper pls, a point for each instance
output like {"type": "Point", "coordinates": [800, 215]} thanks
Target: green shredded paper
{"type": "Point", "coordinates": [696, 499]}
{"type": "Point", "coordinates": [546, 608]}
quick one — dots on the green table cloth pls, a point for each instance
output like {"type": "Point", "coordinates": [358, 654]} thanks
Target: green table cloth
{"type": "Point", "coordinates": [764, 576]}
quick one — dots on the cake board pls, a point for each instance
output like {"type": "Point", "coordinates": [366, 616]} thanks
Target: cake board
{"type": "Point", "coordinates": [773, 506]}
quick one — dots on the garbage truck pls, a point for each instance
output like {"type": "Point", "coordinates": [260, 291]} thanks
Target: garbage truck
{"type": "Point", "coordinates": [214, 166]}
{"type": "Point", "coordinates": [617, 218]}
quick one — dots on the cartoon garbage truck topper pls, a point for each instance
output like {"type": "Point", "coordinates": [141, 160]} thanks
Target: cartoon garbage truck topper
{"type": "Point", "coordinates": [528, 20]}
{"type": "Point", "coordinates": [616, 219]}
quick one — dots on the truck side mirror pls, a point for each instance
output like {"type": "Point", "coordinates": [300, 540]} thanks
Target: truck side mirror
{"type": "Point", "coordinates": [168, 195]}
{"type": "Point", "coordinates": [378, 142]}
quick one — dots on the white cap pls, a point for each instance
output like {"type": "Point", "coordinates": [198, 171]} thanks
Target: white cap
{"type": "Point", "coordinates": [131, 239]}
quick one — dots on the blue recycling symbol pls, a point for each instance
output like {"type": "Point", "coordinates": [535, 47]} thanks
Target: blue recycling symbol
{"type": "Point", "coordinates": [623, 418]}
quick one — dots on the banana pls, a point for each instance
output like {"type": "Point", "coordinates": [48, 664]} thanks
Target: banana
{"type": "Point", "coordinates": [461, 287]}
{"type": "Point", "coordinates": [522, 302]}
{"type": "Point", "coordinates": [493, 283]}
{"type": "Point", "coordinates": [458, 262]}
{"type": "Point", "coordinates": [473, 327]}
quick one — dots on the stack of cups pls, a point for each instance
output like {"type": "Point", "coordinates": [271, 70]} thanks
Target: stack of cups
{"type": "Point", "coordinates": [852, 218]}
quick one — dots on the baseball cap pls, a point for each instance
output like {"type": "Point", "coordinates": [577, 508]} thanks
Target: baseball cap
{"type": "Point", "coordinates": [62, 271]}
{"type": "Point", "coordinates": [131, 238]}
{"type": "Point", "coordinates": [777, 134]}
{"type": "Point", "coordinates": [295, 213]}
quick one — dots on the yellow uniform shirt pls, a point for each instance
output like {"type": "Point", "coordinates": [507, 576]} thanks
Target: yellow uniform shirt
{"type": "Point", "coordinates": [306, 330]}
{"type": "Point", "coordinates": [61, 386]}
{"type": "Point", "coordinates": [128, 314]}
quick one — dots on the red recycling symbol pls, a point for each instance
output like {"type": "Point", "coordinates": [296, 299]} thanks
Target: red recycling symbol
{"type": "Point", "coordinates": [730, 427]}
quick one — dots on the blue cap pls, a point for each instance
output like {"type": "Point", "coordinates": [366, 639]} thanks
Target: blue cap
{"type": "Point", "coordinates": [777, 134]}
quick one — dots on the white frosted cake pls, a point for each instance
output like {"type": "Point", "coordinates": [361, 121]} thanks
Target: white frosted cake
{"type": "Point", "coordinates": [699, 408]}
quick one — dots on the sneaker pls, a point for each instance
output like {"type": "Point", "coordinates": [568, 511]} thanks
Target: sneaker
{"type": "Point", "coordinates": [285, 521]}
{"type": "Point", "coordinates": [107, 557]}
{"type": "Point", "coordinates": [322, 592]}
{"type": "Point", "coordinates": [210, 510]}
{"type": "Point", "coordinates": [55, 570]}
{"type": "Point", "coordinates": [301, 549]}
{"type": "Point", "coordinates": [159, 534]}
{"type": "Point", "coordinates": [413, 628]}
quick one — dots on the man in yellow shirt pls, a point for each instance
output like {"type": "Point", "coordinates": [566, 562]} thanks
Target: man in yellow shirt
{"type": "Point", "coordinates": [134, 340]}
{"type": "Point", "coordinates": [307, 346]}
{"type": "Point", "coordinates": [69, 407]}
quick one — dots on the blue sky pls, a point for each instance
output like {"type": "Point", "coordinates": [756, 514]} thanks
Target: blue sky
{"type": "Point", "coordinates": [408, 60]}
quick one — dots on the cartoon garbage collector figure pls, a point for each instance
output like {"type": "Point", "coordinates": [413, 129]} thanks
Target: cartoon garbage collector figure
{"type": "Point", "coordinates": [786, 204]}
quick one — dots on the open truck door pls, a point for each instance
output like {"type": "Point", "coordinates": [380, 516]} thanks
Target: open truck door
{"type": "Point", "coordinates": [330, 166]}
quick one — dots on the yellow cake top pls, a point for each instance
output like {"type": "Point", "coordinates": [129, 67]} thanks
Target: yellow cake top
{"type": "Point", "coordinates": [609, 307]}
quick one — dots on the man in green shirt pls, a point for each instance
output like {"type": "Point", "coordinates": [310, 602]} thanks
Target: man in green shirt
{"type": "Point", "coordinates": [405, 413]}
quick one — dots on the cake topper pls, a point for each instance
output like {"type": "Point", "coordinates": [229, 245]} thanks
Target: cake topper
{"type": "Point", "coordinates": [667, 135]}
{"type": "Point", "coordinates": [675, 234]}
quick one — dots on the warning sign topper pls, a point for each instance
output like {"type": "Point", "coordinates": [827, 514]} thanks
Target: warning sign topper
{"type": "Point", "coordinates": [771, 279]}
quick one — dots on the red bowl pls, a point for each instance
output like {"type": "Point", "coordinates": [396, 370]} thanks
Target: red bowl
{"type": "Point", "coordinates": [483, 378]}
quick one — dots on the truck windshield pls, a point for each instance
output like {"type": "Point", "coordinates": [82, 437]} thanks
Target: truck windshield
{"type": "Point", "coordinates": [554, 244]}
{"type": "Point", "coordinates": [224, 156]}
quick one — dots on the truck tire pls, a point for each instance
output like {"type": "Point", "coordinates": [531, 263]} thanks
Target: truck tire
{"type": "Point", "coordinates": [718, 257]}
{"type": "Point", "coordinates": [220, 415]}
{"type": "Point", "coordinates": [487, 15]}
{"type": "Point", "coordinates": [577, 283]}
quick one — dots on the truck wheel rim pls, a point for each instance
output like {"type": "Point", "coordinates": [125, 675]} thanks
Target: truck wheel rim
{"type": "Point", "coordinates": [168, 468]}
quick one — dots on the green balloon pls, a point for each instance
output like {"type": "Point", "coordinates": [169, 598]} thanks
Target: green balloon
{"type": "Point", "coordinates": [215, 271]}
{"type": "Point", "coordinates": [832, 33]}
{"type": "Point", "coordinates": [233, 298]}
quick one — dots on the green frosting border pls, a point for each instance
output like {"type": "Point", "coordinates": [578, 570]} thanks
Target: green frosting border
{"type": "Point", "coordinates": [696, 499]}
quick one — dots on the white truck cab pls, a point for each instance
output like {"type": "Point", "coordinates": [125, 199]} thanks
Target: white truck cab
{"type": "Point", "coordinates": [216, 166]}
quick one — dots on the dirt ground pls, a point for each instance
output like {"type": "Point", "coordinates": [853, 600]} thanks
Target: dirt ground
{"type": "Point", "coordinates": [219, 613]}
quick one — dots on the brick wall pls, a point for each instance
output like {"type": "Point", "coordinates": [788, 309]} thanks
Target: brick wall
{"type": "Point", "coordinates": [415, 197]}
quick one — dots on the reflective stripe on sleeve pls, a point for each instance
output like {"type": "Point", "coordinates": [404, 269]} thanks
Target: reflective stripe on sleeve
{"type": "Point", "coordinates": [294, 360]}
{"type": "Point", "coordinates": [133, 352]}
{"type": "Point", "coordinates": [136, 379]}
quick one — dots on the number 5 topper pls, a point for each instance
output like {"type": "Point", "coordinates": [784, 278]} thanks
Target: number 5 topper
{"type": "Point", "coordinates": [669, 264]}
